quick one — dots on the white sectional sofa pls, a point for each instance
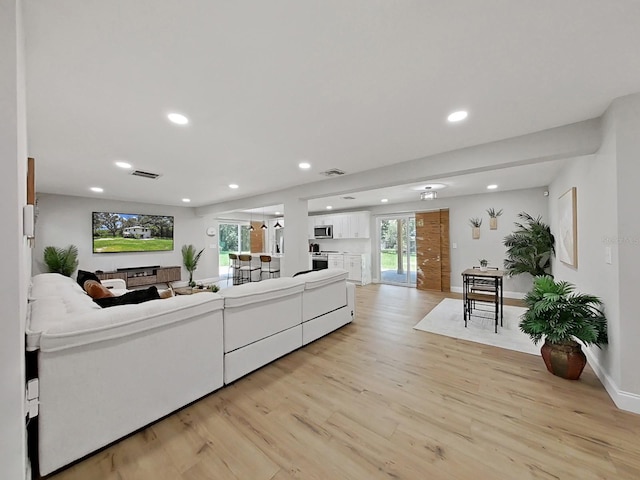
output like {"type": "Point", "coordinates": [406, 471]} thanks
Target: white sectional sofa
{"type": "Point", "coordinates": [104, 373]}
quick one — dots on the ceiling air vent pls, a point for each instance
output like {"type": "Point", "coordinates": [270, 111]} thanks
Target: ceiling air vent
{"type": "Point", "coordinates": [348, 198]}
{"type": "Point", "coordinates": [333, 172]}
{"type": "Point", "coordinates": [140, 173]}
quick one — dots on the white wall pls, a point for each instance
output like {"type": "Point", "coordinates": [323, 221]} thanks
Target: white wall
{"type": "Point", "coordinates": [64, 220]}
{"type": "Point", "coordinates": [607, 200]}
{"type": "Point", "coordinates": [489, 245]}
{"type": "Point", "coordinates": [14, 255]}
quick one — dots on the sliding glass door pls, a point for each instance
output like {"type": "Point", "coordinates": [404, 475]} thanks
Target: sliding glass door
{"type": "Point", "coordinates": [397, 236]}
{"type": "Point", "coordinates": [232, 238]}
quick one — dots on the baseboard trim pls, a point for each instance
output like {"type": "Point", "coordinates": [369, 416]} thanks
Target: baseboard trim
{"type": "Point", "coordinates": [627, 401]}
{"type": "Point", "coordinates": [506, 294]}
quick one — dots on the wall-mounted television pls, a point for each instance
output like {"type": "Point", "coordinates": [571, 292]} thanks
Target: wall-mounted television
{"type": "Point", "coordinates": [127, 232]}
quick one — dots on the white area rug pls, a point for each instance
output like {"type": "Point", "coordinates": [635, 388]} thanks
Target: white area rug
{"type": "Point", "coordinates": [447, 319]}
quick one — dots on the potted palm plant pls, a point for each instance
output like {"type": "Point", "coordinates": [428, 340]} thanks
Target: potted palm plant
{"type": "Point", "coordinates": [562, 316]}
{"type": "Point", "coordinates": [190, 260]}
{"type": "Point", "coordinates": [529, 247]}
{"type": "Point", "coordinates": [61, 260]}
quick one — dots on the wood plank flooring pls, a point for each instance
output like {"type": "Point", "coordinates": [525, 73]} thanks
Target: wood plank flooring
{"type": "Point", "coordinates": [379, 400]}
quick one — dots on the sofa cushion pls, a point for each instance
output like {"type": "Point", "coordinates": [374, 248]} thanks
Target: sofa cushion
{"type": "Point", "coordinates": [259, 292]}
{"type": "Point", "coordinates": [320, 278]}
{"type": "Point", "coordinates": [53, 284]}
{"type": "Point", "coordinates": [71, 331]}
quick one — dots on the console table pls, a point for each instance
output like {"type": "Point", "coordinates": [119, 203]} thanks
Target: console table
{"type": "Point", "coordinates": [139, 276]}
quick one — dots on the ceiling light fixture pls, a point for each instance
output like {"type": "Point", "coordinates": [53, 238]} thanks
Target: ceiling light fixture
{"type": "Point", "coordinates": [278, 213]}
{"type": "Point", "coordinates": [457, 116]}
{"type": "Point", "coordinates": [428, 194]}
{"type": "Point", "coordinates": [233, 185]}
{"type": "Point", "coordinates": [264, 225]}
{"type": "Point", "coordinates": [384, 200]}
{"type": "Point", "coordinates": [329, 207]}
{"type": "Point", "coordinates": [123, 165]}
{"type": "Point", "coordinates": [178, 118]}
{"type": "Point", "coordinates": [492, 187]}
{"type": "Point", "coordinates": [251, 229]}
{"type": "Point", "coordinates": [186, 200]}
{"type": "Point", "coordinates": [97, 189]}
{"type": "Point", "coordinates": [277, 225]}
{"type": "Point", "coordinates": [304, 165]}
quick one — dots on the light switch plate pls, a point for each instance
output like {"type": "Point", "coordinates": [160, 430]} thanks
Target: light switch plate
{"type": "Point", "coordinates": [454, 245]}
{"type": "Point", "coordinates": [607, 255]}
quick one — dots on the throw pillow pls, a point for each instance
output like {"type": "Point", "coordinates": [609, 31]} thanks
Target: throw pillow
{"type": "Point", "coordinates": [96, 290]}
{"type": "Point", "coordinates": [83, 276]}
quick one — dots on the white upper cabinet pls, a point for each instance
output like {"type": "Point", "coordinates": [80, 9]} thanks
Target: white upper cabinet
{"type": "Point", "coordinates": [345, 225]}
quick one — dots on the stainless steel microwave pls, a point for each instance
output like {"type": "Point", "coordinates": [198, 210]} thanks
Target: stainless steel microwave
{"type": "Point", "coordinates": [323, 231]}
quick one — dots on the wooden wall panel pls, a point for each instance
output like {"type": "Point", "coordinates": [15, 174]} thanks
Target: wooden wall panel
{"type": "Point", "coordinates": [445, 252]}
{"type": "Point", "coordinates": [257, 238]}
{"type": "Point", "coordinates": [428, 250]}
{"type": "Point", "coordinates": [433, 251]}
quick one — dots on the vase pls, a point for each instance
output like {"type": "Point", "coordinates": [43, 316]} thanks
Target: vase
{"type": "Point", "coordinates": [565, 360]}
{"type": "Point", "coordinates": [493, 223]}
{"type": "Point", "coordinates": [475, 233]}
{"type": "Point", "coordinates": [483, 269]}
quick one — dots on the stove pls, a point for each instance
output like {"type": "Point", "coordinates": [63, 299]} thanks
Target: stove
{"type": "Point", "coordinates": [320, 260]}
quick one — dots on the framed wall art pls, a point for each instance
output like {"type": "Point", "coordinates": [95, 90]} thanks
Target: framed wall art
{"type": "Point", "coordinates": [568, 228]}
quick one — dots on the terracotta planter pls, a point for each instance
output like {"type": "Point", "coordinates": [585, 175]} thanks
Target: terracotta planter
{"type": "Point", "coordinates": [564, 360]}
{"type": "Point", "coordinates": [493, 223]}
{"type": "Point", "coordinates": [475, 232]}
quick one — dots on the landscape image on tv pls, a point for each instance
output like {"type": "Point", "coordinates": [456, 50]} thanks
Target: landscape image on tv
{"type": "Point", "coordinates": [125, 232]}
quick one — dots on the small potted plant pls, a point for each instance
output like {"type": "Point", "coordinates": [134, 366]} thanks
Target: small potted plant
{"type": "Point", "coordinates": [475, 230]}
{"type": "Point", "coordinates": [483, 265]}
{"type": "Point", "coordinates": [562, 316]}
{"type": "Point", "coordinates": [493, 218]}
{"type": "Point", "coordinates": [190, 260]}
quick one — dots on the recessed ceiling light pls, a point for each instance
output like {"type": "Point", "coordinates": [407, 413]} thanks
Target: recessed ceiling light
{"type": "Point", "coordinates": [123, 164]}
{"type": "Point", "coordinates": [277, 213]}
{"type": "Point", "coordinates": [178, 118]}
{"type": "Point", "coordinates": [457, 116]}
{"type": "Point", "coordinates": [384, 200]}
{"type": "Point", "coordinates": [233, 185]}
{"type": "Point", "coordinates": [304, 165]}
{"type": "Point", "coordinates": [329, 207]}
{"type": "Point", "coordinates": [186, 200]}
{"type": "Point", "coordinates": [430, 186]}
{"type": "Point", "coordinates": [97, 189]}
{"type": "Point", "coordinates": [492, 187]}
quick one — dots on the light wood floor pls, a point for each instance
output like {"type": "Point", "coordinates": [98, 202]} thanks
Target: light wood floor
{"type": "Point", "coordinates": [378, 400]}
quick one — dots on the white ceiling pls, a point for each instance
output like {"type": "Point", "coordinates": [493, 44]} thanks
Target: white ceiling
{"type": "Point", "coordinates": [352, 84]}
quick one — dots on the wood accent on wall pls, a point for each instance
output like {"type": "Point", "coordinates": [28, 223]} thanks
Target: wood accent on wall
{"type": "Point", "coordinates": [31, 181]}
{"type": "Point", "coordinates": [257, 238]}
{"type": "Point", "coordinates": [445, 253]}
{"type": "Point", "coordinates": [432, 248]}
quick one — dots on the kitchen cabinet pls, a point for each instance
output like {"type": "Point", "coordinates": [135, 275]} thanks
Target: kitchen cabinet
{"type": "Point", "coordinates": [335, 260]}
{"type": "Point", "coordinates": [345, 225]}
{"type": "Point", "coordinates": [358, 269]}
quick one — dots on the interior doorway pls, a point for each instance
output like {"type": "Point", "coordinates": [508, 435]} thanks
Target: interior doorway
{"type": "Point", "coordinates": [397, 237]}
{"type": "Point", "coordinates": [232, 238]}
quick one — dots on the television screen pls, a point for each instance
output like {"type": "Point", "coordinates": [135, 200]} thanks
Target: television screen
{"type": "Point", "coordinates": [125, 232]}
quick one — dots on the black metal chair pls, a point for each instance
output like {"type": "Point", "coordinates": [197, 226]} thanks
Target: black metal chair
{"type": "Point", "coordinates": [234, 264]}
{"type": "Point", "coordinates": [483, 290]}
{"type": "Point", "coordinates": [269, 270]}
{"type": "Point", "coordinates": [246, 268]}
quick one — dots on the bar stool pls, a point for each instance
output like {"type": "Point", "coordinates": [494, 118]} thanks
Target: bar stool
{"type": "Point", "coordinates": [246, 268]}
{"type": "Point", "coordinates": [234, 264]}
{"type": "Point", "coordinates": [269, 270]}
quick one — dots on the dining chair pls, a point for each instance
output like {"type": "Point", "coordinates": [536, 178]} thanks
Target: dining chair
{"type": "Point", "coordinates": [479, 289]}
{"type": "Point", "coordinates": [269, 270]}
{"type": "Point", "coordinates": [247, 268]}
